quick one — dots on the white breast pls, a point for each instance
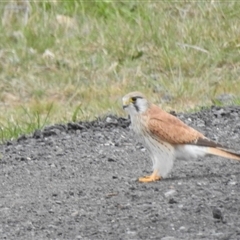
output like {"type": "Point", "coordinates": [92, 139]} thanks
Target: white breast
{"type": "Point", "coordinates": [162, 155]}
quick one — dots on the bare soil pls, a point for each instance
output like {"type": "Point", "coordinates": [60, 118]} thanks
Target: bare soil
{"type": "Point", "coordinates": [79, 181]}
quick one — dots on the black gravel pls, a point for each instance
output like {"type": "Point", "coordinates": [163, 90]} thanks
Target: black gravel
{"type": "Point", "coordinates": [78, 181]}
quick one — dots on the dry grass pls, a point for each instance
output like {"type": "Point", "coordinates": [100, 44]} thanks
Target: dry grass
{"type": "Point", "coordinates": [75, 60]}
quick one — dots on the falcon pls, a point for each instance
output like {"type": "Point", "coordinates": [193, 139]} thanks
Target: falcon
{"type": "Point", "coordinates": [166, 137]}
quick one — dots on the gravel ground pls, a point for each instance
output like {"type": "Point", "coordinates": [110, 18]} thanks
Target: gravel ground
{"type": "Point", "coordinates": [78, 181]}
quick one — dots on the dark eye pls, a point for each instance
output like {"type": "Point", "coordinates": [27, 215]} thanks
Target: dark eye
{"type": "Point", "coordinates": [134, 99]}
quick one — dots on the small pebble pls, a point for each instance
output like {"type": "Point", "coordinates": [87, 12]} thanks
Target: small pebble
{"type": "Point", "coordinates": [217, 214]}
{"type": "Point", "coordinates": [170, 193]}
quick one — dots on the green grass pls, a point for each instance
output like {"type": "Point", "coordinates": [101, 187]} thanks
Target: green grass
{"type": "Point", "coordinates": [182, 55]}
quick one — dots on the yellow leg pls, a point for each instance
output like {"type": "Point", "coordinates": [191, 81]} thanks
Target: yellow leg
{"type": "Point", "coordinates": [151, 178]}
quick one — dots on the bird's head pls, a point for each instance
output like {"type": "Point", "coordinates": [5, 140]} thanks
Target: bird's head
{"type": "Point", "coordinates": [134, 103]}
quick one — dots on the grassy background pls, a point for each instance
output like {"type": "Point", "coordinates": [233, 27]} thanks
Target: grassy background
{"type": "Point", "coordinates": [74, 60]}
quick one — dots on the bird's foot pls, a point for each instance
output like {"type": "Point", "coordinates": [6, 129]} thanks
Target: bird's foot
{"type": "Point", "coordinates": [151, 178]}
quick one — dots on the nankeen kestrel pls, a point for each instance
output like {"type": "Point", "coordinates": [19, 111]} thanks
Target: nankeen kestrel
{"type": "Point", "coordinates": [166, 137]}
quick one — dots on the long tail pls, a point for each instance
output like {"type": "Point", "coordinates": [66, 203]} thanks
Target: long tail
{"type": "Point", "coordinates": [224, 153]}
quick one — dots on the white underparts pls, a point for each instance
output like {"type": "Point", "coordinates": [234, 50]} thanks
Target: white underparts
{"type": "Point", "coordinates": [162, 155]}
{"type": "Point", "coordinates": [189, 152]}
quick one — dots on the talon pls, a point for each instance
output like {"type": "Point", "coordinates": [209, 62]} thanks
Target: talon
{"type": "Point", "coordinates": [151, 178]}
